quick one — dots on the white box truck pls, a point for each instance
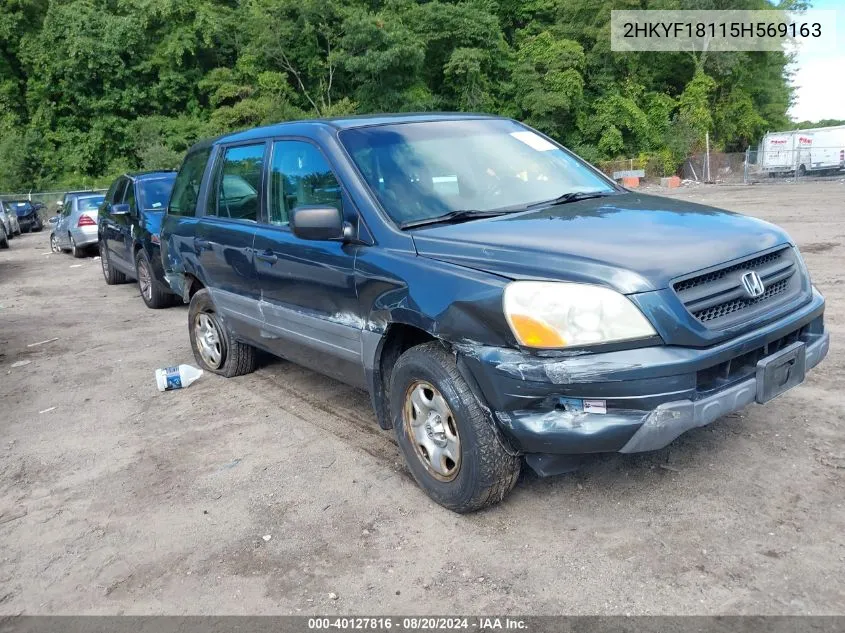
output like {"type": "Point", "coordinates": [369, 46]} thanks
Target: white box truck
{"type": "Point", "coordinates": [819, 150]}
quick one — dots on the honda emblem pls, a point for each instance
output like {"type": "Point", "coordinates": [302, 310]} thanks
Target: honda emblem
{"type": "Point", "coordinates": [752, 284]}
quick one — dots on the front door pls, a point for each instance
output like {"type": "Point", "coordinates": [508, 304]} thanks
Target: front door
{"type": "Point", "coordinates": [114, 228]}
{"type": "Point", "coordinates": [308, 295]}
{"type": "Point", "coordinates": [224, 236]}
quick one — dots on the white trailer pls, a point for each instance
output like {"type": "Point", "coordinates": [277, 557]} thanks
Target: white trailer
{"type": "Point", "coordinates": [803, 151]}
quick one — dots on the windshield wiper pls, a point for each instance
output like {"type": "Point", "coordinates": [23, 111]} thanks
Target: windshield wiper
{"type": "Point", "coordinates": [455, 216]}
{"type": "Point", "coordinates": [573, 196]}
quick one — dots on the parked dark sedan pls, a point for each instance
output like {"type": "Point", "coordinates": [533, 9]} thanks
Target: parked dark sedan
{"type": "Point", "coordinates": [129, 222]}
{"type": "Point", "coordinates": [27, 213]}
{"type": "Point", "coordinates": [502, 301]}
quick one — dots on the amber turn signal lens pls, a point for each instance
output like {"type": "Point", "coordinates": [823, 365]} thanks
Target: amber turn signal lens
{"type": "Point", "coordinates": [533, 333]}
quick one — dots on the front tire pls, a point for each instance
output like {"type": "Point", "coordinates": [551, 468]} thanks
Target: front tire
{"type": "Point", "coordinates": [4, 239]}
{"type": "Point", "coordinates": [154, 297]}
{"type": "Point", "coordinates": [112, 276]}
{"type": "Point", "coordinates": [54, 244]}
{"type": "Point", "coordinates": [449, 442]}
{"type": "Point", "coordinates": [214, 349]}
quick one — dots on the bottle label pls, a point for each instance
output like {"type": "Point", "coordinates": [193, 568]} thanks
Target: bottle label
{"type": "Point", "coordinates": [174, 380]}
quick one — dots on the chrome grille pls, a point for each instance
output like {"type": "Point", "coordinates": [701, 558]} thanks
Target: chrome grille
{"type": "Point", "coordinates": [718, 299]}
{"type": "Point", "coordinates": [751, 264]}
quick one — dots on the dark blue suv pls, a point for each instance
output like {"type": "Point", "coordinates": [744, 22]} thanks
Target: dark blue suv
{"type": "Point", "coordinates": [501, 300]}
{"type": "Point", "coordinates": [128, 224]}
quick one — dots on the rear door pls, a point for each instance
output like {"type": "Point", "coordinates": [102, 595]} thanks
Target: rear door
{"type": "Point", "coordinates": [223, 240]}
{"type": "Point", "coordinates": [62, 227]}
{"type": "Point", "coordinates": [180, 222]}
{"type": "Point", "coordinates": [309, 299]}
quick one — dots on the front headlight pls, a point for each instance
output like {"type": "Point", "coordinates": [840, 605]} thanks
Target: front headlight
{"type": "Point", "coordinates": [559, 314]}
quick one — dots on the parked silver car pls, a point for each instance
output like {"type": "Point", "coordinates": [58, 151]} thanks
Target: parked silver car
{"type": "Point", "coordinates": [4, 239]}
{"type": "Point", "coordinates": [76, 227]}
{"type": "Point", "coordinates": [10, 220]}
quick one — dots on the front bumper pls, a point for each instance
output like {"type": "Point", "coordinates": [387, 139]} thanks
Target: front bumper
{"type": "Point", "coordinates": [651, 395]}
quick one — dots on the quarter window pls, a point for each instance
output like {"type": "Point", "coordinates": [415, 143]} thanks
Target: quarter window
{"type": "Point", "coordinates": [299, 176]}
{"type": "Point", "coordinates": [238, 183]}
{"type": "Point", "coordinates": [186, 189]}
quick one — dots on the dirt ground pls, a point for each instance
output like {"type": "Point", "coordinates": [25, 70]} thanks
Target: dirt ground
{"type": "Point", "coordinates": [277, 492]}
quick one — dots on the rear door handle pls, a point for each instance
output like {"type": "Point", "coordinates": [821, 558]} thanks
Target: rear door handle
{"type": "Point", "coordinates": [267, 256]}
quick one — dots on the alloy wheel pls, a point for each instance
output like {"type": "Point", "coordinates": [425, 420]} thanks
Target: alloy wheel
{"type": "Point", "coordinates": [145, 282]}
{"type": "Point", "coordinates": [104, 261]}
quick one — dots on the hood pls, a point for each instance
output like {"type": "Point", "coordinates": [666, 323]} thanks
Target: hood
{"type": "Point", "coordinates": [630, 242]}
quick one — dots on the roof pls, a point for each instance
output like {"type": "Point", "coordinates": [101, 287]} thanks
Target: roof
{"type": "Point", "coordinates": [341, 123]}
{"type": "Point", "coordinates": [142, 175]}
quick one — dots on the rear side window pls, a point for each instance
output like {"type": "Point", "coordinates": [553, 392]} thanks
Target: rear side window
{"type": "Point", "coordinates": [299, 176]}
{"type": "Point", "coordinates": [238, 183]}
{"type": "Point", "coordinates": [186, 189]}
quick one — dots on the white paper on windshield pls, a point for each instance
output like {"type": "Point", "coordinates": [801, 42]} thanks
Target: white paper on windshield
{"type": "Point", "coordinates": [534, 141]}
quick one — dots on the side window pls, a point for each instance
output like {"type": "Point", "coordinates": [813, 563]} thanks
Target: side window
{"type": "Point", "coordinates": [299, 176]}
{"type": "Point", "coordinates": [111, 194]}
{"type": "Point", "coordinates": [238, 183]}
{"type": "Point", "coordinates": [120, 192]}
{"type": "Point", "coordinates": [186, 188]}
{"type": "Point", "coordinates": [129, 198]}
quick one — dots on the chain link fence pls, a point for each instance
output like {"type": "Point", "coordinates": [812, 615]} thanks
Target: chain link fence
{"type": "Point", "coordinates": [753, 165]}
{"type": "Point", "coordinates": [769, 165]}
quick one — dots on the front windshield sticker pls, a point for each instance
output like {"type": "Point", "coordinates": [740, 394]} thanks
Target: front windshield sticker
{"type": "Point", "coordinates": [533, 140]}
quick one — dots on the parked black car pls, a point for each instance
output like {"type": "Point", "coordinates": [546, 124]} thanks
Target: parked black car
{"type": "Point", "coordinates": [27, 213]}
{"type": "Point", "coordinates": [500, 299]}
{"type": "Point", "coordinates": [129, 221]}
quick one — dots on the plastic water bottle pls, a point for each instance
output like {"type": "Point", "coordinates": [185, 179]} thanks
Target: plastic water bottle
{"type": "Point", "coordinates": [170, 378]}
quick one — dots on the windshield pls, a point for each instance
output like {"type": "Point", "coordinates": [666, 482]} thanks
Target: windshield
{"type": "Point", "coordinates": [425, 170]}
{"type": "Point", "coordinates": [90, 203]}
{"type": "Point", "coordinates": [21, 208]}
{"type": "Point", "coordinates": [155, 192]}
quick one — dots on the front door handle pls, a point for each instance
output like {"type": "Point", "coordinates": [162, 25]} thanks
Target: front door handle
{"type": "Point", "coordinates": [200, 243]}
{"type": "Point", "coordinates": [267, 256]}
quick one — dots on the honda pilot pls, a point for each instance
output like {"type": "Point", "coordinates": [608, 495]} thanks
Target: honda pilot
{"type": "Point", "coordinates": [503, 302]}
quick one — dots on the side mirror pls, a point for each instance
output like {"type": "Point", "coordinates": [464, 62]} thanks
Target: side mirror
{"type": "Point", "coordinates": [53, 220]}
{"type": "Point", "coordinates": [119, 209]}
{"type": "Point", "coordinates": [319, 223]}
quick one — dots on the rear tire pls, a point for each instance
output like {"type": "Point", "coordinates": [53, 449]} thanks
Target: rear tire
{"type": "Point", "coordinates": [482, 472]}
{"type": "Point", "coordinates": [75, 250]}
{"type": "Point", "coordinates": [214, 348]}
{"type": "Point", "coordinates": [4, 239]}
{"type": "Point", "coordinates": [152, 294]}
{"type": "Point", "coordinates": [112, 276]}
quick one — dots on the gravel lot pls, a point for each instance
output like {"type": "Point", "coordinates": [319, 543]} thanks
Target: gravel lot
{"type": "Point", "coordinates": [115, 498]}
